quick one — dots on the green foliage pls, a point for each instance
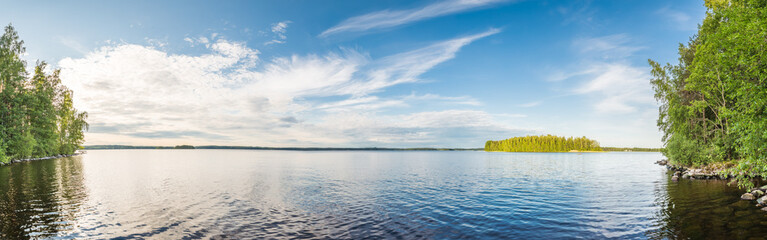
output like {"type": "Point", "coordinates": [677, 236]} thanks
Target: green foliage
{"type": "Point", "coordinates": [37, 117]}
{"type": "Point", "coordinates": [3, 157]}
{"type": "Point", "coordinates": [13, 129]}
{"type": "Point", "coordinates": [714, 101]}
{"type": "Point", "coordinates": [546, 143]}
{"type": "Point", "coordinates": [71, 124]}
{"type": "Point", "coordinates": [685, 151]}
{"type": "Point", "coordinates": [42, 112]}
{"type": "Point", "coordinates": [183, 147]}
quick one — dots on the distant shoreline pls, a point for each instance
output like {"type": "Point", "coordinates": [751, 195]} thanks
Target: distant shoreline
{"type": "Point", "coordinates": [41, 158]}
{"type": "Point", "coordinates": [116, 147]}
{"type": "Point", "coordinates": [108, 147]}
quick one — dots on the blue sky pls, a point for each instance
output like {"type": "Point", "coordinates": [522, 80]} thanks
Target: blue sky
{"type": "Point", "coordinates": [358, 73]}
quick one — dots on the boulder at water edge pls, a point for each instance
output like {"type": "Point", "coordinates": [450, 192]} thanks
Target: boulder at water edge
{"type": "Point", "coordinates": [762, 201]}
{"type": "Point", "coordinates": [747, 196]}
{"type": "Point", "coordinates": [757, 193]}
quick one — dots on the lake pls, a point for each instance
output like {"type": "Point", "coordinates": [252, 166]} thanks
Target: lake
{"type": "Point", "coordinates": [222, 194]}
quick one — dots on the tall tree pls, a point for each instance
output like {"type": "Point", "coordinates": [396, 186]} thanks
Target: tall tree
{"type": "Point", "coordinates": [15, 140]}
{"type": "Point", "coordinates": [37, 116]}
{"type": "Point", "coordinates": [714, 102]}
{"type": "Point", "coordinates": [42, 112]}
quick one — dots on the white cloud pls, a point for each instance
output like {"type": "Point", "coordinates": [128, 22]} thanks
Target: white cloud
{"type": "Point", "coordinates": [279, 29]}
{"type": "Point", "coordinates": [607, 47]}
{"type": "Point", "coordinates": [274, 41]}
{"type": "Point", "coordinates": [73, 44]}
{"type": "Point", "coordinates": [680, 20]}
{"type": "Point", "coordinates": [620, 86]}
{"type": "Point", "coordinates": [373, 103]}
{"type": "Point", "coordinates": [465, 100]}
{"type": "Point", "coordinates": [579, 12]}
{"type": "Point", "coordinates": [608, 77]}
{"type": "Point", "coordinates": [450, 128]}
{"type": "Point", "coordinates": [530, 104]}
{"type": "Point", "coordinates": [596, 51]}
{"type": "Point", "coordinates": [406, 67]}
{"type": "Point", "coordinates": [389, 18]}
{"type": "Point", "coordinates": [143, 95]}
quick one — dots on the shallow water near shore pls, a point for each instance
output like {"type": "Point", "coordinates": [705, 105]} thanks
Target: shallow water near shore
{"type": "Point", "coordinates": [191, 194]}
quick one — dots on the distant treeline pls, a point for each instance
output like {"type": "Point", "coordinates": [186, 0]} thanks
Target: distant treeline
{"type": "Point", "coordinates": [546, 143]}
{"type": "Point", "coordinates": [37, 117]}
{"type": "Point", "coordinates": [97, 147]}
{"type": "Point", "coordinates": [635, 149]}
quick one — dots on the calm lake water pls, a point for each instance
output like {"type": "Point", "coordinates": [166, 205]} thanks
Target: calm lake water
{"type": "Point", "coordinates": [221, 194]}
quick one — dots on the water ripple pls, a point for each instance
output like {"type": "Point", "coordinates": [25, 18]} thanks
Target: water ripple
{"type": "Point", "coordinates": [216, 194]}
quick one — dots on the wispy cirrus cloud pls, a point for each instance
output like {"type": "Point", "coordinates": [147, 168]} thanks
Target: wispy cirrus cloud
{"type": "Point", "coordinates": [142, 94]}
{"type": "Point", "coordinates": [406, 67]}
{"type": "Point", "coordinates": [620, 86]}
{"type": "Point", "coordinates": [389, 18]}
{"type": "Point", "coordinates": [610, 47]}
{"type": "Point", "coordinates": [608, 76]}
{"type": "Point", "coordinates": [279, 30]}
{"type": "Point", "coordinates": [530, 104]}
{"type": "Point", "coordinates": [679, 19]}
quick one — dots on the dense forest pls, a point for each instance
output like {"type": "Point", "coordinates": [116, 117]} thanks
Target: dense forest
{"type": "Point", "coordinates": [546, 143]}
{"type": "Point", "coordinates": [714, 101]}
{"type": "Point", "coordinates": [37, 117]}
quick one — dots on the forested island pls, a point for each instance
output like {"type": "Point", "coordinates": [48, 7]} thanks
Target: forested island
{"type": "Point", "coordinates": [37, 117]}
{"type": "Point", "coordinates": [714, 100]}
{"type": "Point", "coordinates": [547, 143]}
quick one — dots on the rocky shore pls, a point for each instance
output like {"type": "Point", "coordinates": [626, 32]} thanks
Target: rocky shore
{"type": "Point", "coordinates": [42, 158]}
{"type": "Point", "coordinates": [708, 172]}
{"type": "Point", "coordinates": [758, 194]}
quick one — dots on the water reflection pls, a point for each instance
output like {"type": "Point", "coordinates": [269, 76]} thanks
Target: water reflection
{"type": "Point", "coordinates": [439, 195]}
{"type": "Point", "coordinates": [40, 199]}
{"type": "Point", "coordinates": [706, 209]}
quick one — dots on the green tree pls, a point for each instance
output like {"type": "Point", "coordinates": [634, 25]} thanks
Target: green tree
{"type": "Point", "coordinates": [42, 112]}
{"type": "Point", "coordinates": [37, 117]}
{"type": "Point", "coordinates": [71, 124]}
{"type": "Point", "coordinates": [13, 129]}
{"type": "Point", "coordinates": [714, 101]}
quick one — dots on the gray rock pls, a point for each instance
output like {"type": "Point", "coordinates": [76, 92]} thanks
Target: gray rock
{"type": "Point", "coordinates": [757, 193]}
{"type": "Point", "coordinates": [764, 209]}
{"type": "Point", "coordinates": [747, 196]}
{"type": "Point", "coordinates": [763, 188]}
{"type": "Point", "coordinates": [686, 175]}
{"type": "Point", "coordinates": [762, 201]}
{"type": "Point", "coordinates": [676, 178]}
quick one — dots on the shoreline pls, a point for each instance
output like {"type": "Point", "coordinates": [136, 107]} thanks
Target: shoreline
{"type": "Point", "coordinates": [79, 152]}
{"type": "Point", "coordinates": [754, 194]}
{"type": "Point", "coordinates": [705, 172]}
